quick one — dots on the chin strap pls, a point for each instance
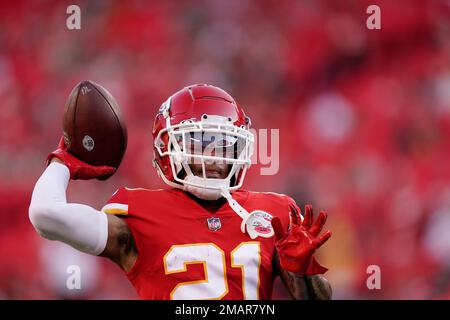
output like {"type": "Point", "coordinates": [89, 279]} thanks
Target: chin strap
{"type": "Point", "coordinates": [250, 221]}
{"type": "Point", "coordinates": [192, 185]}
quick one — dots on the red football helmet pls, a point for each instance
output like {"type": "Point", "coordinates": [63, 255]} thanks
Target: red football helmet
{"type": "Point", "coordinates": [200, 124]}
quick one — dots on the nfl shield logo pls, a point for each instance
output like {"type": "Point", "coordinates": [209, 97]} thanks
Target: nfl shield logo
{"type": "Point", "coordinates": [214, 224]}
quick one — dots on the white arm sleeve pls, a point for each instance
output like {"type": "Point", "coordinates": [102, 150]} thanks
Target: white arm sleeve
{"type": "Point", "coordinates": [78, 225]}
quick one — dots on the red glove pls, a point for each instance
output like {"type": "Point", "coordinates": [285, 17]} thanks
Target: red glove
{"type": "Point", "coordinates": [78, 169]}
{"type": "Point", "coordinates": [296, 247]}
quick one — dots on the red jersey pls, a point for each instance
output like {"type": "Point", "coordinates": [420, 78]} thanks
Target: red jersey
{"type": "Point", "coordinates": [186, 251]}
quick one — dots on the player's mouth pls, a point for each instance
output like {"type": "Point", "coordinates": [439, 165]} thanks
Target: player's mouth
{"type": "Point", "coordinates": [214, 174]}
{"type": "Point", "coordinates": [212, 171]}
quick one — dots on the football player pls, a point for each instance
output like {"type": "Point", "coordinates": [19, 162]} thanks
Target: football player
{"type": "Point", "coordinates": [202, 238]}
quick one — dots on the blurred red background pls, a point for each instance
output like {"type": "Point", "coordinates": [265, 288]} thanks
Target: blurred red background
{"type": "Point", "coordinates": [364, 119]}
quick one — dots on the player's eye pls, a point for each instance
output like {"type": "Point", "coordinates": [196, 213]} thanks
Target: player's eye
{"type": "Point", "coordinates": [215, 144]}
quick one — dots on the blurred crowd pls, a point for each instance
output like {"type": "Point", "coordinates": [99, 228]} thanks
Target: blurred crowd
{"type": "Point", "coordinates": [364, 120]}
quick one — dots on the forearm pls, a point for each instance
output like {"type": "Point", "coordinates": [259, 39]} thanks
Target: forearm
{"type": "Point", "coordinates": [80, 226]}
{"type": "Point", "coordinates": [315, 287]}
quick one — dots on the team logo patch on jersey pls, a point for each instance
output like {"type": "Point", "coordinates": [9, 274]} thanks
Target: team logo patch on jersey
{"type": "Point", "coordinates": [214, 224]}
{"type": "Point", "coordinates": [259, 223]}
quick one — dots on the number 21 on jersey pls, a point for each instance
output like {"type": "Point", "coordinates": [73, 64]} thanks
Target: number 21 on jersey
{"type": "Point", "coordinates": [246, 256]}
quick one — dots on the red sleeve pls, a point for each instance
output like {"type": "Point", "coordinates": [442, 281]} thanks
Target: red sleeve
{"type": "Point", "coordinates": [118, 203]}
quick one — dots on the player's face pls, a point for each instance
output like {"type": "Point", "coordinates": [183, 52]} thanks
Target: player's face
{"type": "Point", "coordinates": [217, 145]}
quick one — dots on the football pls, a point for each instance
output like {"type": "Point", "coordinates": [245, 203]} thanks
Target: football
{"type": "Point", "coordinates": [93, 127]}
